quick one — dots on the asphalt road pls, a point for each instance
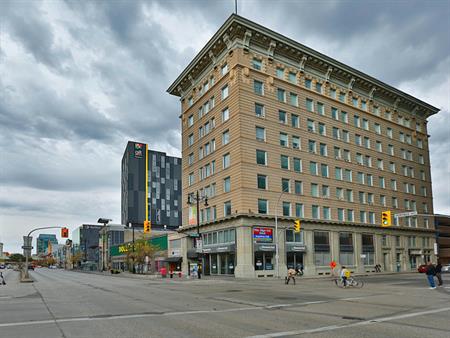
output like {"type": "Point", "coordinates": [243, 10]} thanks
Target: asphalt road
{"type": "Point", "coordinates": [71, 304]}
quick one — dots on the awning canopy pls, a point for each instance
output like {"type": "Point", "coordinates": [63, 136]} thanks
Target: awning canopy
{"type": "Point", "coordinates": [173, 259]}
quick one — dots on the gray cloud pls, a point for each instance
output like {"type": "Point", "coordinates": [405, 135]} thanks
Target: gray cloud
{"type": "Point", "coordinates": [81, 78]}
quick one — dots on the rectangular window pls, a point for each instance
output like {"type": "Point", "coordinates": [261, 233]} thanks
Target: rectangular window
{"type": "Point", "coordinates": [226, 161]}
{"type": "Point", "coordinates": [227, 208]}
{"type": "Point", "coordinates": [224, 92]}
{"type": "Point", "coordinates": [318, 87]}
{"type": "Point", "coordinates": [322, 129]}
{"type": "Point", "coordinates": [297, 165]}
{"type": "Point", "coordinates": [258, 87]}
{"type": "Point", "coordinates": [293, 99]}
{"type": "Point", "coordinates": [377, 128]}
{"type": "Point", "coordinates": [225, 137]}
{"type": "Point", "coordinates": [262, 182]}
{"type": "Point", "coordinates": [298, 188]}
{"type": "Point", "coordinates": [295, 142]}
{"type": "Point", "coordinates": [292, 77]}
{"type": "Point", "coordinates": [342, 96]}
{"type": "Point", "coordinates": [299, 210]}
{"type": "Point", "coordinates": [315, 211]}
{"type": "Point", "coordinates": [282, 116]}
{"type": "Point", "coordinates": [295, 121]}
{"type": "Point", "coordinates": [280, 72]}
{"type": "Point", "coordinates": [314, 190]}
{"type": "Point", "coordinates": [224, 69]}
{"type": "Point", "coordinates": [260, 133]}
{"type": "Point", "coordinates": [257, 64]}
{"type": "Point", "coordinates": [336, 135]}
{"type": "Point", "coordinates": [190, 120]}
{"type": "Point", "coordinates": [324, 170]}
{"type": "Point", "coordinates": [326, 213]}
{"type": "Point", "coordinates": [284, 141]}
{"type": "Point", "coordinates": [284, 162]}
{"type": "Point", "coordinates": [322, 255]}
{"type": "Point", "coordinates": [190, 140]}
{"type": "Point", "coordinates": [345, 136]}
{"type": "Point", "coordinates": [259, 110]}
{"type": "Point", "coordinates": [312, 146]}
{"type": "Point", "coordinates": [355, 102]}
{"type": "Point", "coordinates": [356, 121]}
{"type": "Point", "coordinates": [325, 191]}
{"type": "Point", "coordinates": [341, 215]}
{"type": "Point", "coordinates": [323, 149]}
{"type": "Point", "coordinates": [308, 83]}
{"type": "Point", "coordinates": [281, 95]}
{"type": "Point", "coordinates": [313, 168]}
{"type": "Point", "coordinates": [365, 124]}
{"type": "Point", "coordinates": [320, 108]}
{"type": "Point", "coordinates": [311, 125]}
{"type": "Point", "coordinates": [334, 113]}
{"type": "Point", "coordinates": [261, 157]}
{"type": "Point", "coordinates": [225, 114]}
{"type": "Point", "coordinates": [227, 184]}
{"type": "Point", "coordinates": [262, 206]}
{"type": "Point", "coordinates": [333, 93]}
{"type": "Point", "coordinates": [285, 185]}
{"type": "Point", "coordinates": [338, 173]}
{"type": "Point", "coordinates": [286, 209]}
{"type": "Point", "coordinates": [350, 215]}
{"type": "Point", "coordinates": [309, 105]}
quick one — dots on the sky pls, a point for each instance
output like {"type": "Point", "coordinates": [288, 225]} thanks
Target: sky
{"type": "Point", "coordinates": [78, 79]}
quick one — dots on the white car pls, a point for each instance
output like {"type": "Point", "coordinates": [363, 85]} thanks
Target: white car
{"type": "Point", "coordinates": [446, 268]}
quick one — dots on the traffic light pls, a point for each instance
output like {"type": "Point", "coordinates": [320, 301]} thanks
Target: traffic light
{"type": "Point", "coordinates": [64, 232]}
{"type": "Point", "coordinates": [297, 225]}
{"type": "Point", "coordinates": [147, 227]}
{"type": "Point", "coordinates": [386, 220]}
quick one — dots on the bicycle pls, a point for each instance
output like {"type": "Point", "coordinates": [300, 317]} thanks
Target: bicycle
{"type": "Point", "coordinates": [351, 282]}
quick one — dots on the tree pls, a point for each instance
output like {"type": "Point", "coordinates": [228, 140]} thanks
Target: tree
{"type": "Point", "coordinates": [142, 249]}
{"type": "Point", "coordinates": [77, 257]}
{"type": "Point", "coordinates": [17, 258]}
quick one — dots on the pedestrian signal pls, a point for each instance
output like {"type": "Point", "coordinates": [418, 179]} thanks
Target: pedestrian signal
{"type": "Point", "coordinates": [386, 220]}
{"type": "Point", "coordinates": [297, 225]}
{"type": "Point", "coordinates": [64, 232]}
{"type": "Point", "coordinates": [147, 227]}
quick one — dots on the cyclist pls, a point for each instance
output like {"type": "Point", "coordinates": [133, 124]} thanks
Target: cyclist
{"type": "Point", "coordinates": [345, 274]}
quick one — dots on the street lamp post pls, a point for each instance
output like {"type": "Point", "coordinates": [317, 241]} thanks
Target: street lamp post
{"type": "Point", "coordinates": [105, 222]}
{"type": "Point", "coordinates": [197, 199]}
{"type": "Point", "coordinates": [277, 250]}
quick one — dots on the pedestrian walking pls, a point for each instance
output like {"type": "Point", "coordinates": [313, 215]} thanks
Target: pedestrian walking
{"type": "Point", "coordinates": [290, 275]}
{"type": "Point", "coordinates": [431, 272]}
{"type": "Point", "coordinates": [2, 279]}
{"type": "Point", "coordinates": [438, 273]}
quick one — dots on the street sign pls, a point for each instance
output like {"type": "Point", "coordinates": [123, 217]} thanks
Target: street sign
{"type": "Point", "coordinates": [406, 214]}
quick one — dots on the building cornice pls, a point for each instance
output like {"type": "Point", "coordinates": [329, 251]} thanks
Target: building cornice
{"type": "Point", "coordinates": [237, 27]}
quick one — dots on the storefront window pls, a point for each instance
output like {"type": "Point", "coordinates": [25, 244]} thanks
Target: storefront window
{"type": "Point", "coordinates": [263, 260]}
{"type": "Point", "coordinates": [294, 260]}
{"type": "Point", "coordinates": [322, 256]}
{"type": "Point", "coordinates": [214, 268]}
{"type": "Point", "coordinates": [346, 248]}
{"type": "Point", "coordinates": [368, 250]}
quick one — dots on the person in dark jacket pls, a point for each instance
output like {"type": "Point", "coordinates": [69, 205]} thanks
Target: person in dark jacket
{"type": "Point", "coordinates": [431, 272]}
{"type": "Point", "coordinates": [438, 273]}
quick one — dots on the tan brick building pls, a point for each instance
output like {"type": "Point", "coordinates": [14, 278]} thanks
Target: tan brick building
{"type": "Point", "coordinates": [270, 126]}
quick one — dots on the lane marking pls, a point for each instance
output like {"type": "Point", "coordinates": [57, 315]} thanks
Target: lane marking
{"type": "Point", "coordinates": [363, 323]}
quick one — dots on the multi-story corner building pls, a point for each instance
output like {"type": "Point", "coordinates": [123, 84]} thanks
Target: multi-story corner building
{"type": "Point", "coordinates": [151, 187]}
{"type": "Point", "coordinates": [42, 243]}
{"type": "Point", "coordinates": [442, 223]}
{"type": "Point", "coordinates": [272, 127]}
{"type": "Point", "coordinates": [85, 241]}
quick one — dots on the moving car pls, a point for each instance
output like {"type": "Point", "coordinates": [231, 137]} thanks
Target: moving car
{"type": "Point", "coordinates": [422, 268]}
{"type": "Point", "coordinates": [2, 266]}
{"type": "Point", "coordinates": [446, 268]}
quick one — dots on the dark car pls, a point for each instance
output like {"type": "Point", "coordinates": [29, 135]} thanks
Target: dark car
{"type": "Point", "coordinates": [422, 268]}
{"type": "Point", "coordinates": [30, 267]}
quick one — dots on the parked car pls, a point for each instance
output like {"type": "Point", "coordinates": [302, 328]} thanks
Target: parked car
{"type": "Point", "coordinates": [446, 268]}
{"type": "Point", "coordinates": [30, 267]}
{"type": "Point", "coordinates": [2, 266]}
{"type": "Point", "coordinates": [422, 268]}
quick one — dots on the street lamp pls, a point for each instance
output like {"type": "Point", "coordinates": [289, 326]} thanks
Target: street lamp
{"type": "Point", "coordinates": [197, 198]}
{"type": "Point", "coordinates": [105, 222]}
{"type": "Point", "coordinates": [277, 253]}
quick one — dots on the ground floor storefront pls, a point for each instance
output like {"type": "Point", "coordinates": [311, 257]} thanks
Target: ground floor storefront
{"type": "Point", "coordinates": [247, 247]}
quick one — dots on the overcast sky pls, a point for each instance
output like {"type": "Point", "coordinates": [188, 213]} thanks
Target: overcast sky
{"type": "Point", "coordinates": [78, 79]}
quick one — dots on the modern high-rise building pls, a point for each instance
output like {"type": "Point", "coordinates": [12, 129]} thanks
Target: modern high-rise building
{"type": "Point", "coordinates": [151, 187]}
{"type": "Point", "coordinates": [274, 131]}
{"type": "Point", "coordinates": [42, 243]}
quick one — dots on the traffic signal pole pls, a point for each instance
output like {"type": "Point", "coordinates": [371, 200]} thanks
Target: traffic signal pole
{"type": "Point", "coordinates": [29, 247]}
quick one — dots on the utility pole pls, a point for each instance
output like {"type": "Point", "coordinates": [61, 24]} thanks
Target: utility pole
{"type": "Point", "coordinates": [197, 198]}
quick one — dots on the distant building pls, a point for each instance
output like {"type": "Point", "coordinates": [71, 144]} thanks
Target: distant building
{"type": "Point", "coordinates": [151, 187]}
{"type": "Point", "coordinates": [442, 223]}
{"type": "Point", "coordinates": [85, 240]}
{"type": "Point", "coordinates": [42, 243]}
